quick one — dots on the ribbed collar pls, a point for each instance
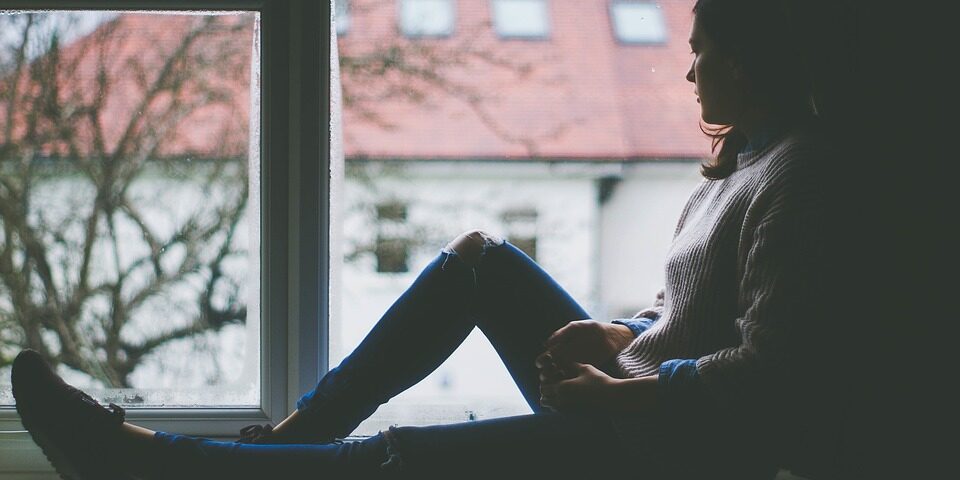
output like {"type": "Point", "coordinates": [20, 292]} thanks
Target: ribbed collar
{"type": "Point", "coordinates": [749, 155]}
{"type": "Point", "coordinates": [766, 137]}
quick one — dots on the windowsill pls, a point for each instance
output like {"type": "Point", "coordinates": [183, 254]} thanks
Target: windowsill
{"type": "Point", "coordinates": [31, 464]}
{"type": "Point", "coordinates": [22, 459]}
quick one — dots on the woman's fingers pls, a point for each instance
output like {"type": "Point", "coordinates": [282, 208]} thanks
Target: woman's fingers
{"type": "Point", "coordinates": [549, 370]}
{"type": "Point", "coordinates": [567, 333]}
{"type": "Point", "coordinates": [551, 376]}
{"type": "Point", "coordinates": [545, 360]}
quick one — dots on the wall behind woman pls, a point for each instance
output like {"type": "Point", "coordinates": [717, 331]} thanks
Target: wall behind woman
{"type": "Point", "coordinates": [888, 226]}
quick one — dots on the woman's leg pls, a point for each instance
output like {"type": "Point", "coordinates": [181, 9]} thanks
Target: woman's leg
{"type": "Point", "coordinates": [477, 280]}
{"type": "Point", "coordinates": [530, 446]}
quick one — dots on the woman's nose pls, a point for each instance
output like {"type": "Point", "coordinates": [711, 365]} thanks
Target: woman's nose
{"type": "Point", "coordinates": [690, 76]}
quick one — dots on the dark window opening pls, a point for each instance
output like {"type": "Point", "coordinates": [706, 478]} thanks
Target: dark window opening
{"type": "Point", "coordinates": [392, 255]}
{"type": "Point", "coordinates": [520, 226]}
{"type": "Point", "coordinates": [393, 243]}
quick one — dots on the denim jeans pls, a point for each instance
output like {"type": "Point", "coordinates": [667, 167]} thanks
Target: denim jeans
{"type": "Point", "coordinates": [517, 306]}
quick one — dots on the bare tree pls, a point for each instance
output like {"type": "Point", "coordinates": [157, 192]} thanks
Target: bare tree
{"type": "Point", "coordinates": [75, 278]}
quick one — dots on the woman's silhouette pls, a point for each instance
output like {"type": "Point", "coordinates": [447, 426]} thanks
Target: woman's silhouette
{"type": "Point", "coordinates": [694, 386]}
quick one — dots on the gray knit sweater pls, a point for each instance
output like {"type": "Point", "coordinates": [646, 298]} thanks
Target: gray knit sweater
{"type": "Point", "coordinates": [741, 272]}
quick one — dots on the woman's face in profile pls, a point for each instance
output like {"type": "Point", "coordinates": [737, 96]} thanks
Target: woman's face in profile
{"type": "Point", "coordinates": [718, 87]}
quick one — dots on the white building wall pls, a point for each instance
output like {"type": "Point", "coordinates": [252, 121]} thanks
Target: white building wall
{"type": "Point", "coordinates": [451, 201]}
{"type": "Point", "coordinates": [610, 261]}
{"type": "Point", "coordinates": [637, 225]}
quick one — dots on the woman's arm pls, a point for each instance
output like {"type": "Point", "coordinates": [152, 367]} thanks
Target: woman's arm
{"type": "Point", "coordinates": [631, 395]}
{"type": "Point", "coordinates": [779, 290]}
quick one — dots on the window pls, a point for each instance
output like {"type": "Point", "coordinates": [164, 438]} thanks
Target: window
{"type": "Point", "coordinates": [470, 132]}
{"type": "Point", "coordinates": [427, 18]}
{"type": "Point", "coordinates": [276, 239]}
{"type": "Point", "coordinates": [521, 18]}
{"type": "Point", "coordinates": [138, 225]}
{"type": "Point", "coordinates": [638, 22]}
{"type": "Point", "coordinates": [342, 16]}
{"type": "Point", "coordinates": [520, 228]}
{"type": "Point", "coordinates": [392, 248]}
{"type": "Point", "coordinates": [440, 132]}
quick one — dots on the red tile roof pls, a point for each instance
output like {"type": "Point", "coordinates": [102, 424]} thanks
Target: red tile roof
{"type": "Point", "coordinates": [579, 94]}
{"type": "Point", "coordinates": [128, 55]}
{"type": "Point", "coordinates": [586, 96]}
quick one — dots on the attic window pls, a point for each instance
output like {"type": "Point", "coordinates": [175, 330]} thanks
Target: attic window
{"type": "Point", "coordinates": [426, 18]}
{"type": "Point", "coordinates": [638, 22]}
{"type": "Point", "coordinates": [342, 16]}
{"type": "Point", "coordinates": [521, 18]}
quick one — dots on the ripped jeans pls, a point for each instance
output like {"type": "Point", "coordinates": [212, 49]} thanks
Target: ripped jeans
{"type": "Point", "coordinates": [517, 306]}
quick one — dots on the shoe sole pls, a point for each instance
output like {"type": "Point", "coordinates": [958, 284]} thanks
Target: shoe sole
{"type": "Point", "coordinates": [55, 456]}
{"type": "Point", "coordinates": [65, 468]}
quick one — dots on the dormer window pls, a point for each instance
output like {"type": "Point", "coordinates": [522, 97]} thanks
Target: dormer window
{"type": "Point", "coordinates": [342, 16]}
{"type": "Point", "coordinates": [427, 18]}
{"type": "Point", "coordinates": [527, 19]}
{"type": "Point", "coordinates": [638, 22]}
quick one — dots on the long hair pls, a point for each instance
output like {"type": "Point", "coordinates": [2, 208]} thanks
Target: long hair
{"type": "Point", "coordinates": [758, 37]}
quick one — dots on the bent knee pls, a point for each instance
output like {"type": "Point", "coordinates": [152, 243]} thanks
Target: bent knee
{"type": "Point", "coordinates": [470, 245]}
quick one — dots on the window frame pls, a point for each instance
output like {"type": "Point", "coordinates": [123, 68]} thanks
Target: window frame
{"type": "Point", "coordinates": [294, 211]}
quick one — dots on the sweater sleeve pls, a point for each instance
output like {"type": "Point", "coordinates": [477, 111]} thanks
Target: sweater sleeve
{"type": "Point", "coordinates": [636, 325]}
{"type": "Point", "coordinates": [778, 277]}
{"type": "Point", "coordinates": [678, 379]}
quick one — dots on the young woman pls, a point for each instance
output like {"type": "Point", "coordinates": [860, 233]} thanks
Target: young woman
{"type": "Point", "coordinates": [701, 384]}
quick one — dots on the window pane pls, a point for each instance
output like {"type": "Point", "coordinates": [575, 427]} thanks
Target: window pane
{"type": "Point", "coordinates": [521, 18]}
{"type": "Point", "coordinates": [342, 16]}
{"type": "Point", "coordinates": [636, 22]}
{"type": "Point", "coordinates": [426, 17]}
{"type": "Point", "coordinates": [129, 226]}
{"type": "Point", "coordinates": [578, 151]}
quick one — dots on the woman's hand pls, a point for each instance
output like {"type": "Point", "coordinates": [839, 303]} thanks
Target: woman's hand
{"type": "Point", "coordinates": [585, 388]}
{"type": "Point", "coordinates": [586, 341]}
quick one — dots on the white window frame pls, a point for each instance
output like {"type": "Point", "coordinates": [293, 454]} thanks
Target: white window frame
{"type": "Point", "coordinates": [295, 186]}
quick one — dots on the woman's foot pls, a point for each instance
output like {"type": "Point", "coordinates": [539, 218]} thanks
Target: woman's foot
{"type": "Point", "coordinates": [79, 436]}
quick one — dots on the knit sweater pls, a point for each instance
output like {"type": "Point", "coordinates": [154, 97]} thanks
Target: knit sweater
{"type": "Point", "coordinates": [741, 273]}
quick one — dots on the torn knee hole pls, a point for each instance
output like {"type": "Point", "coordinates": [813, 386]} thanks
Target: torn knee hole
{"type": "Point", "coordinates": [470, 245]}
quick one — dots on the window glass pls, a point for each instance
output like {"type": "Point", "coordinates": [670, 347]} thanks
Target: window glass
{"type": "Point", "coordinates": [638, 22]}
{"type": "Point", "coordinates": [579, 152]}
{"type": "Point", "coordinates": [342, 16]}
{"type": "Point", "coordinates": [129, 203]}
{"type": "Point", "coordinates": [426, 18]}
{"type": "Point", "coordinates": [521, 18]}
